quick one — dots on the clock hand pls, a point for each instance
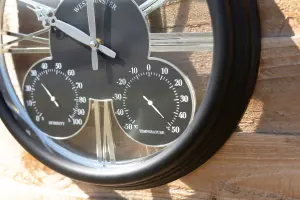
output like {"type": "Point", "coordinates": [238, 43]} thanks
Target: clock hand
{"type": "Point", "coordinates": [46, 15]}
{"type": "Point", "coordinates": [73, 32]}
{"type": "Point", "coordinates": [80, 36]}
{"type": "Point", "coordinates": [52, 98]}
{"type": "Point", "coordinates": [93, 37]}
{"type": "Point", "coordinates": [150, 103]}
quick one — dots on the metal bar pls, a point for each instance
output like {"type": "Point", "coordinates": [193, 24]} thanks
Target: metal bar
{"type": "Point", "coordinates": [37, 4]}
{"type": "Point", "coordinates": [160, 42]}
{"type": "Point", "coordinates": [30, 37]}
{"type": "Point", "coordinates": [208, 35]}
{"type": "Point", "coordinates": [154, 6]}
{"type": "Point", "coordinates": [108, 137]}
{"type": "Point", "coordinates": [99, 144]}
{"type": "Point", "coordinates": [150, 5]}
{"type": "Point", "coordinates": [173, 42]}
{"type": "Point", "coordinates": [169, 40]}
{"type": "Point", "coordinates": [30, 50]}
{"type": "Point", "coordinates": [200, 48]}
{"type": "Point", "coordinates": [146, 4]}
{"type": "Point", "coordinates": [181, 42]}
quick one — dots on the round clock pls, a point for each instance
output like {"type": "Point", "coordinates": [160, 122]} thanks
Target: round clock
{"type": "Point", "coordinates": [126, 94]}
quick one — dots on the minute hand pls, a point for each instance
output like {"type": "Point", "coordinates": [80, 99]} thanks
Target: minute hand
{"type": "Point", "coordinates": [81, 36]}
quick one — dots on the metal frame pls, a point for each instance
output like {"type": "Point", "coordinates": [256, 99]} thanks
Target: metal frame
{"type": "Point", "coordinates": [159, 42]}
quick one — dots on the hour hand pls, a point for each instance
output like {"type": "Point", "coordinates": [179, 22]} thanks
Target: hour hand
{"type": "Point", "coordinates": [80, 36]}
{"type": "Point", "coordinates": [46, 15]}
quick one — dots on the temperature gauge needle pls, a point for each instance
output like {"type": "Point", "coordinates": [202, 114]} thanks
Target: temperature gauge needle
{"type": "Point", "coordinates": [150, 103]}
{"type": "Point", "coordinates": [52, 98]}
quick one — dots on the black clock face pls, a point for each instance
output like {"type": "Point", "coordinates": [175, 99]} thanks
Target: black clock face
{"type": "Point", "coordinates": [121, 28]}
{"type": "Point", "coordinates": [152, 100]}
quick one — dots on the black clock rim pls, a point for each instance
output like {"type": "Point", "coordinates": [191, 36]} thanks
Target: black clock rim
{"type": "Point", "coordinates": [236, 60]}
{"type": "Point", "coordinates": [237, 102]}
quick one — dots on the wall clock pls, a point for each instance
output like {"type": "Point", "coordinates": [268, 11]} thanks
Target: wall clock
{"type": "Point", "coordinates": [105, 95]}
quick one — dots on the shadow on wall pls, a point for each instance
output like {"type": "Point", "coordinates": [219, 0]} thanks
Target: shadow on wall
{"type": "Point", "coordinates": [275, 104]}
{"type": "Point", "coordinates": [274, 109]}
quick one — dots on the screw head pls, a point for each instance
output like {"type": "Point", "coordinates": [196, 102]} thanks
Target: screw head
{"type": "Point", "coordinates": [93, 44]}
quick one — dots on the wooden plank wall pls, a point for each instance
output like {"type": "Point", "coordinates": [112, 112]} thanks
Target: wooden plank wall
{"type": "Point", "coordinates": [261, 161]}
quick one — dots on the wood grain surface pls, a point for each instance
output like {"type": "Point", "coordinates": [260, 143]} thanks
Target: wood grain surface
{"type": "Point", "coordinates": [260, 161]}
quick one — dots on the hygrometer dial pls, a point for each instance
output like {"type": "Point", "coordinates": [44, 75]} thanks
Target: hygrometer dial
{"type": "Point", "coordinates": [53, 99]}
